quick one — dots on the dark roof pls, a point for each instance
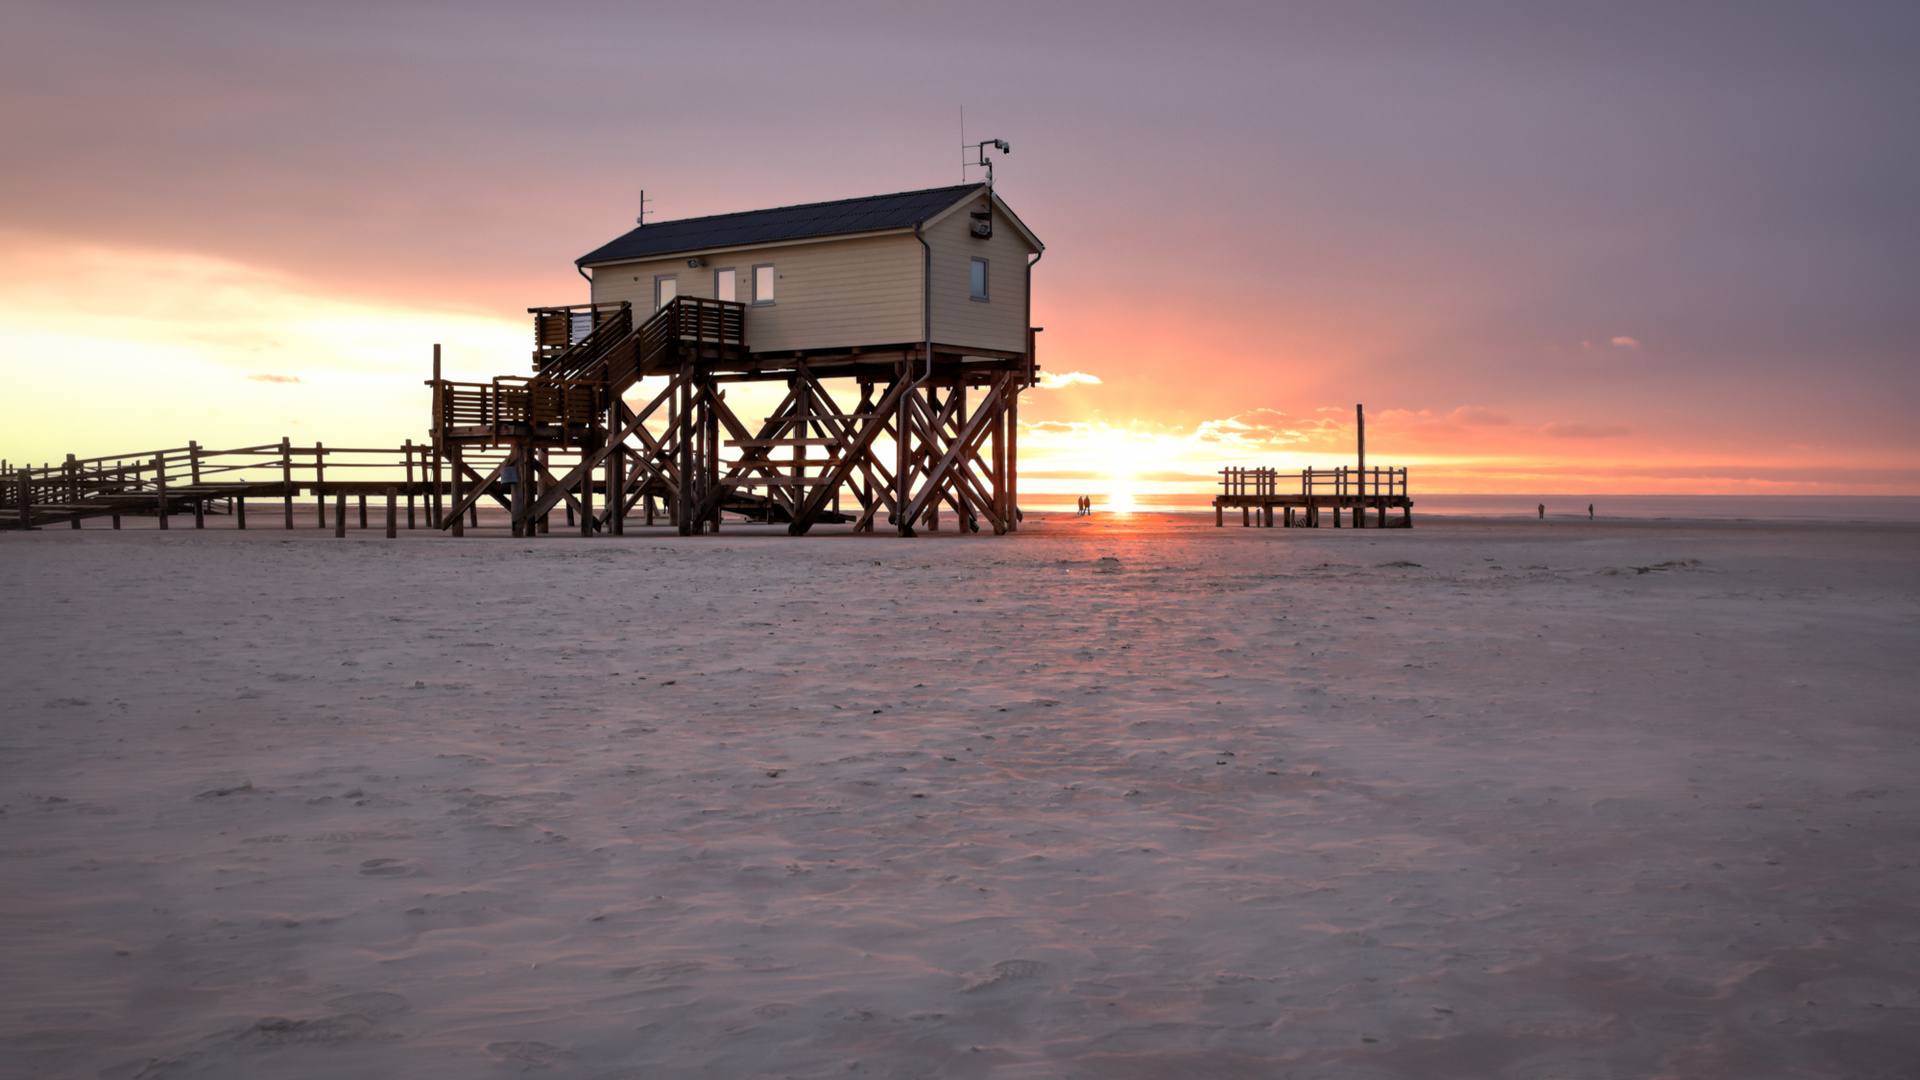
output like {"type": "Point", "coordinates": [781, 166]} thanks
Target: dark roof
{"type": "Point", "coordinates": [870, 214]}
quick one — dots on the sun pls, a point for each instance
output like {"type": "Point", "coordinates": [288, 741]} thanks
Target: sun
{"type": "Point", "coordinates": [1120, 502]}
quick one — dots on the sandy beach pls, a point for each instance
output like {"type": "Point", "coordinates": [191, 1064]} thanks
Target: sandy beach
{"type": "Point", "coordinates": [1115, 797]}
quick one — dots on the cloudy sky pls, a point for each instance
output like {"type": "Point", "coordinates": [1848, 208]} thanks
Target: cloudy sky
{"type": "Point", "coordinates": [1552, 247]}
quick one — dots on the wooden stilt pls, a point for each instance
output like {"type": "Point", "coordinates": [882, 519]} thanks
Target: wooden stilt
{"type": "Point", "coordinates": [459, 482]}
{"type": "Point", "coordinates": [286, 478]}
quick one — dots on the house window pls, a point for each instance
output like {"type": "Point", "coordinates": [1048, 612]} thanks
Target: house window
{"type": "Point", "coordinates": [979, 279]}
{"type": "Point", "coordinates": [665, 288]}
{"type": "Point", "coordinates": [725, 285]}
{"type": "Point", "coordinates": [763, 284]}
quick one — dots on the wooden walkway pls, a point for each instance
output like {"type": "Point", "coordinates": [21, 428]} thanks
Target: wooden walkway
{"type": "Point", "coordinates": [1304, 498]}
{"type": "Point", "coordinates": [193, 479]}
{"type": "Point", "coordinates": [302, 480]}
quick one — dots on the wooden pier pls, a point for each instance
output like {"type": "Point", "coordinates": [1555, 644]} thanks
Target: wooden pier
{"type": "Point", "coordinates": [1304, 498]}
{"type": "Point", "coordinates": [193, 479]}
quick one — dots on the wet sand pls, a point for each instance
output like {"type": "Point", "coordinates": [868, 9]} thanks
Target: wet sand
{"type": "Point", "coordinates": [1111, 798]}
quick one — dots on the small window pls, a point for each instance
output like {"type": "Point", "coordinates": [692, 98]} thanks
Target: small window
{"type": "Point", "coordinates": [979, 279]}
{"type": "Point", "coordinates": [665, 288]}
{"type": "Point", "coordinates": [763, 284]}
{"type": "Point", "coordinates": [725, 285]}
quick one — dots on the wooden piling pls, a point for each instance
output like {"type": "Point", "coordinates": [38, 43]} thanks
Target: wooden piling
{"type": "Point", "coordinates": [392, 511]}
{"type": "Point", "coordinates": [240, 512]}
{"type": "Point", "coordinates": [286, 477]}
{"type": "Point", "coordinates": [160, 487]}
{"type": "Point", "coordinates": [339, 513]}
{"type": "Point", "coordinates": [459, 524]}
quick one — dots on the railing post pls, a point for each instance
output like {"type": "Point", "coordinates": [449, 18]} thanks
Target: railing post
{"type": "Point", "coordinates": [617, 492]}
{"type": "Point", "coordinates": [286, 478]}
{"type": "Point", "coordinates": [72, 471]}
{"type": "Point", "coordinates": [319, 484]}
{"type": "Point", "coordinates": [392, 531]}
{"type": "Point", "coordinates": [459, 487]}
{"type": "Point", "coordinates": [240, 512]}
{"type": "Point", "coordinates": [586, 498]}
{"type": "Point", "coordinates": [408, 450]}
{"type": "Point", "coordinates": [193, 477]}
{"type": "Point", "coordinates": [339, 513]}
{"type": "Point", "coordinates": [160, 486]}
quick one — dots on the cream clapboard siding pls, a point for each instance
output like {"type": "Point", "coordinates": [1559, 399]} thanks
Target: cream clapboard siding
{"type": "Point", "coordinates": [833, 293]}
{"type": "Point", "coordinates": [1000, 321]}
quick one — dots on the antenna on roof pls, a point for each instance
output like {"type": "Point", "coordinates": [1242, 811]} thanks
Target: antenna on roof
{"type": "Point", "coordinates": [642, 219]}
{"type": "Point", "coordinates": [963, 144]}
{"type": "Point", "coordinates": [981, 159]}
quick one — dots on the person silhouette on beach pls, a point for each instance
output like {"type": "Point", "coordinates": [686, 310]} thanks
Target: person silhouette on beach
{"type": "Point", "coordinates": [1589, 511]}
{"type": "Point", "coordinates": [1543, 511]}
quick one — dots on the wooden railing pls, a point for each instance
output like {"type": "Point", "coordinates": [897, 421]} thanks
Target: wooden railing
{"type": "Point", "coordinates": [193, 474]}
{"type": "Point", "coordinates": [598, 342]}
{"type": "Point", "coordinates": [517, 400]}
{"type": "Point", "coordinates": [560, 330]}
{"type": "Point", "coordinates": [1339, 482]}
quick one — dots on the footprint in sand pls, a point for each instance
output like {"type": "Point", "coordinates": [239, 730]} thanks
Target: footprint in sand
{"type": "Point", "coordinates": [1005, 972]}
{"type": "Point", "coordinates": [527, 1052]}
{"type": "Point", "coordinates": [374, 1003]}
{"type": "Point", "coordinates": [280, 1031]}
{"type": "Point", "coordinates": [391, 867]}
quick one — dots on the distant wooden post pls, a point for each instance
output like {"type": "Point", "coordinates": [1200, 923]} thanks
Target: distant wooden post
{"type": "Point", "coordinates": [438, 435]}
{"type": "Point", "coordinates": [240, 512]}
{"type": "Point", "coordinates": [363, 509]}
{"type": "Point", "coordinates": [459, 485]}
{"type": "Point", "coordinates": [286, 477]}
{"type": "Point", "coordinates": [160, 486]}
{"type": "Point", "coordinates": [586, 499]}
{"type": "Point", "coordinates": [72, 470]}
{"type": "Point", "coordinates": [392, 510]}
{"type": "Point", "coordinates": [408, 449]}
{"type": "Point", "coordinates": [537, 485]}
{"type": "Point", "coordinates": [24, 496]}
{"type": "Point", "coordinates": [319, 484]}
{"type": "Point", "coordinates": [193, 477]}
{"type": "Point", "coordinates": [617, 493]}
{"type": "Point", "coordinates": [339, 513]}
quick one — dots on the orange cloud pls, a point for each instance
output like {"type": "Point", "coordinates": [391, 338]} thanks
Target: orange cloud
{"type": "Point", "coordinates": [1050, 380]}
{"type": "Point", "coordinates": [1577, 430]}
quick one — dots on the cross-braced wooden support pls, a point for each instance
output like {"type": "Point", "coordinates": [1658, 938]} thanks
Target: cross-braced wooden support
{"type": "Point", "coordinates": [929, 429]}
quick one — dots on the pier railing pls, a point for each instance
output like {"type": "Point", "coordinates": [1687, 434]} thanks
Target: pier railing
{"type": "Point", "coordinates": [191, 476]}
{"type": "Point", "coordinates": [1340, 482]}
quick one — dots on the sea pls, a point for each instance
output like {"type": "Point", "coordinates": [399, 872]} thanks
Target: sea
{"type": "Point", "coordinates": [1564, 507]}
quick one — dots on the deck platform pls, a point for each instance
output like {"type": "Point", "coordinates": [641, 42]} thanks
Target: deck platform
{"type": "Point", "coordinates": [1268, 497]}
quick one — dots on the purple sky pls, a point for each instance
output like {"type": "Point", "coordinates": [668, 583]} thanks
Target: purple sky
{"type": "Point", "coordinates": [1607, 239]}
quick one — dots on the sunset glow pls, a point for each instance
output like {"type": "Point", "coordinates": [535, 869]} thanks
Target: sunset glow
{"type": "Point", "coordinates": [1531, 278]}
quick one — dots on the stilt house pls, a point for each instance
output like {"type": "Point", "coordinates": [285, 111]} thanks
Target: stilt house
{"type": "Point", "coordinates": [946, 267]}
{"type": "Point", "coordinates": [919, 300]}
